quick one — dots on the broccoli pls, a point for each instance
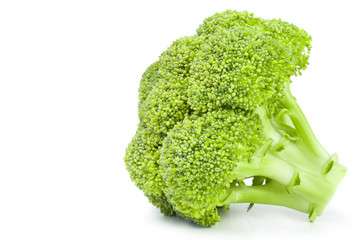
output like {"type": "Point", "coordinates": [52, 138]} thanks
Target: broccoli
{"type": "Point", "coordinates": [216, 109]}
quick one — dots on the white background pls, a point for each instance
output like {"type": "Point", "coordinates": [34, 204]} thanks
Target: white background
{"type": "Point", "coordinates": [69, 76]}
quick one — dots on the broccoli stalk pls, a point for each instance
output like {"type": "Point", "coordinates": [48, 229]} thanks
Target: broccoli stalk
{"type": "Point", "coordinates": [299, 173]}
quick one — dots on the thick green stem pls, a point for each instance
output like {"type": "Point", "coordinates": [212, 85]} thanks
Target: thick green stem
{"type": "Point", "coordinates": [304, 190]}
{"type": "Point", "coordinates": [301, 125]}
{"type": "Point", "coordinates": [272, 193]}
{"type": "Point", "coordinates": [303, 175]}
{"type": "Point", "coordinates": [290, 187]}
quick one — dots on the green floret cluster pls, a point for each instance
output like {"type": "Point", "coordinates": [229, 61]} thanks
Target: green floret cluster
{"type": "Point", "coordinates": [142, 163]}
{"type": "Point", "coordinates": [198, 158]}
{"type": "Point", "coordinates": [216, 109]}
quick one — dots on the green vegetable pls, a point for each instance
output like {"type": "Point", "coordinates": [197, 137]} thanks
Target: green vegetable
{"type": "Point", "coordinates": [216, 109]}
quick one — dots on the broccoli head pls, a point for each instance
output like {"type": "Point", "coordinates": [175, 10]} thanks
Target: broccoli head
{"type": "Point", "coordinates": [216, 109]}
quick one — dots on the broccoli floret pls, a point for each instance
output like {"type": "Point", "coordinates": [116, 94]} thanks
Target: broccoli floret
{"type": "Point", "coordinates": [199, 156]}
{"type": "Point", "coordinates": [142, 158]}
{"type": "Point", "coordinates": [216, 109]}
